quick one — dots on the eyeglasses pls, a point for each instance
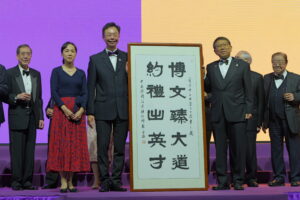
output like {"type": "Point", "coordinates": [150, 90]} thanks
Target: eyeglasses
{"type": "Point", "coordinates": [219, 46]}
{"type": "Point", "coordinates": [278, 62]}
{"type": "Point", "coordinates": [25, 53]}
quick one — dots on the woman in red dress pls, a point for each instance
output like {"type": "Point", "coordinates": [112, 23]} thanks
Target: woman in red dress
{"type": "Point", "coordinates": [68, 149]}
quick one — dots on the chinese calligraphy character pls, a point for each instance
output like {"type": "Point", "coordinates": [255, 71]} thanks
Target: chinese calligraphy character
{"type": "Point", "coordinates": [157, 139]}
{"type": "Point", "coordinates": [156, 114]}
{"type": "Point", "coordinates": [155, 91]}
{"type": "Point", "coordinates": [177, 91]}
{"type": "Point", "coordinates": [178, 69]}
{"type": "Point", "coordinates": [154, 71]}
{"type": "Point", "coordinates": [159, 161]}
{"type": "Point", "coordinates": [180, 162]}
{"type": "Point", "coordinates": [179, 116]}
{"type": "Point", "coordinates": [179, 138]}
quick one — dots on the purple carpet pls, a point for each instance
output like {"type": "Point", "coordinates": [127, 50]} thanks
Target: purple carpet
{"type": "Point", "coordinates": [261, 193]}
{"type": "Point", "coordinates": [85, 179]}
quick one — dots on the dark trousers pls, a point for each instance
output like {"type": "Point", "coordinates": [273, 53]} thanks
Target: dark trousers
{"type": "Point", "coordinates": [234, 134]}
{"type": "Point", "coordinates": [278, 130]}
{"type": "Point", "coordinates": [251, 159]}
{"type": "Point", "coordinates": [51, 177]}
{"type": "Point", "coordinates": [208, 137]}
{"type": "Point", "coordinates": [22, 147]}
{"type": "Point", "coordinates": [120, 129]}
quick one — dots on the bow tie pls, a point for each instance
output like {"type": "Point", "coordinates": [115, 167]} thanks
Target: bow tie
{"type": "Point", "coordinates": [26, 73]}
{"type": "Point", "coordinates": [112, 53]}
{"type": "Point", "coordinates": [224, 61]}
{"type": "Point", "coordinates": [277, 77]}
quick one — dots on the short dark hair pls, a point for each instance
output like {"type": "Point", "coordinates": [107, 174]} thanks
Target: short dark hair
{"type": "Point", "coordinates": [110, 24]}
{"type": "Point", "coordinates": [21, 46]}
{"type": "Point", "coordinates": [220, 38]}
{"type": "Point", "coordinates": [284, 55]}
{"type": "Point", "coordinates": [65, 45]}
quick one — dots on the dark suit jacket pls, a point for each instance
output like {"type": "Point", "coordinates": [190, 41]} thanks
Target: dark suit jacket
{"type": "Point", "coordinates": [18, 115]}
{"type": "Point", "coordinates": [3, 90]}
{"type": "Point", "coordinates": [292, 110]}
{"type": "Point", "coordinates": [233, 94]}
{"type": "Point", "coordinates": [258, 102]}
{"type": "Point", "coordinates": [107, 88]}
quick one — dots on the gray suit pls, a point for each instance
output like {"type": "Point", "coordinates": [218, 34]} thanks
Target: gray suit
{"type": "Point", "coordinates": [288, 128]}
{"type": "Point", "coordinates": [23, 119]}
{"type": "Point", "coordinates": [253, 123]}
{"type": "Point", "coordinates": [108, 102]}
{"type": "Point", "coordinates": [231, 100]}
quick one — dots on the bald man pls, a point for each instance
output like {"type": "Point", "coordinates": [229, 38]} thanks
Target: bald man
{"type": "Point", "coordinates": [254, 124]}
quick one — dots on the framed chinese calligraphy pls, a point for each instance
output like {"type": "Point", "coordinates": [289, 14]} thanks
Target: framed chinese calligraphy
{"type": "Point", "coordinates": [168, 148]}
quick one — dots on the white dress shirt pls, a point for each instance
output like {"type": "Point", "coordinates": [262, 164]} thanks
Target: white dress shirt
{"type": "Point", "coordinates": [113, 58]}
{"type": "Point", "coordinates": [278, 82]}
{"type": "Point", "coordinates": [224, 67]}
{"type": "Point", "coordinates": [26, 80]}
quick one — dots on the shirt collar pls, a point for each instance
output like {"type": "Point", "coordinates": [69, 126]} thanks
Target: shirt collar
{"type": "Point", "coordinates": [22, 69]}
{"type": "Point", "coordinates": [107, 50]}
{"type": "Point", "coordinates": [284, 73]}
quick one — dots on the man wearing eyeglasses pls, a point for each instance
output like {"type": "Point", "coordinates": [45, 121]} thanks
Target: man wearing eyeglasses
{"type": "Point", "coordinates": [254, 124]}
{"type": "Point", "coordinates": [25, 115]}
{"type": "Point", "coordinates": [108, 106]}
{"type": "Point", "coordinates": [228, 81]}
{"type": "Point", "coordinates": [282, 117]}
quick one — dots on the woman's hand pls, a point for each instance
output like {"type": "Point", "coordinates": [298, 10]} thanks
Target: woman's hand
{"type": "Point", "coordinates": [77, 116]}
{"type": "Point", "coordinates": [68, 113]}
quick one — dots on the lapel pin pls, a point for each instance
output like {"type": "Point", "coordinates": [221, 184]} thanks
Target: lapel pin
{"type": "Point", "coordinates": [120, 59]}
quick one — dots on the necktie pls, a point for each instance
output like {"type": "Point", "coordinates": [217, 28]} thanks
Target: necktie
{"type": "Point", "coordinates": [26, 73]}
{"type": "Point", "coordinates": [111, 53]}
{"type": "Point", "coordinates": [277, 77]}
{"type": "Point", "coordinates": [223, 61]}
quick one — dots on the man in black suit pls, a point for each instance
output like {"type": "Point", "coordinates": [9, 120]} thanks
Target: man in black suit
{"type": "Point", "coordinates": [254, 124]}
{"type": "Point", "coordinates": [25, 115]}
{"type": "Point", "coordinates": [3, 90]}
{"type": "Point", "coordinates": [228, 81]}
{"type": "Point", "coordinates": [108, 106]}
{"type": "Point", "coordinates": [282, 117]}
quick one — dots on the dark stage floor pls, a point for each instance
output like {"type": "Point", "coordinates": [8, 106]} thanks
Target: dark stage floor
{"type": "Point", "coordinates": [262, 193]}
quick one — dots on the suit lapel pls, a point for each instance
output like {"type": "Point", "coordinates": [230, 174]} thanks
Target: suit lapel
{"type": "Point", "coordinates": [107, 61]}
{"type": "Point", "coordinates": [33, 85]}
{"type": "Point", "coordinates": [19, 79]}
{"type": "Point", "coordinates": [218, 74]}
{"type": "Point", "coordinates": [119, 61]}
{"type": "Point", "coordinates": [231, 70]}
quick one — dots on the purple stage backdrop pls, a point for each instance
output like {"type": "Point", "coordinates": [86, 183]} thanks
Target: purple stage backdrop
{"type": "Point", "coordinates": [46, 25]}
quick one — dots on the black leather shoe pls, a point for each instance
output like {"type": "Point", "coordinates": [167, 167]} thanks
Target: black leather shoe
{"type": "Point", "coordinates": [221, 187]}
{"type": "Point", "coordinates": [117, 188]}
{"type": "Point", "coordinates": [73, 189]}
{"type": "Point", "coordinates": [295, 183]}
{"type": "Point", "coordinates": [276, 182]}
{"type": "Point", "coordinates": [16, 188]}
{"type": "Point", "coordinates": [238, 186]}
{"type": "Point", "coordinates": [252, 183]}
{"type": "Point", "coordinates": [104, 188]}
{"type": "Point", "coordinates": [49, 187]}
{"type": "Point", "coordinates": [30, 187]}
{"type": "Point", "coordinates": [63, 190]}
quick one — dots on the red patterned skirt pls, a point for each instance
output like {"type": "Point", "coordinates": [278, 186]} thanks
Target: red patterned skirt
{"type": "Point", "coordinates": [68, 148]}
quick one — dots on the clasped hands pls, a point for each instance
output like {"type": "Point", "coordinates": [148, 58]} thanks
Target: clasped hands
{"type": "Point", "coordinates": [70, 115]}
